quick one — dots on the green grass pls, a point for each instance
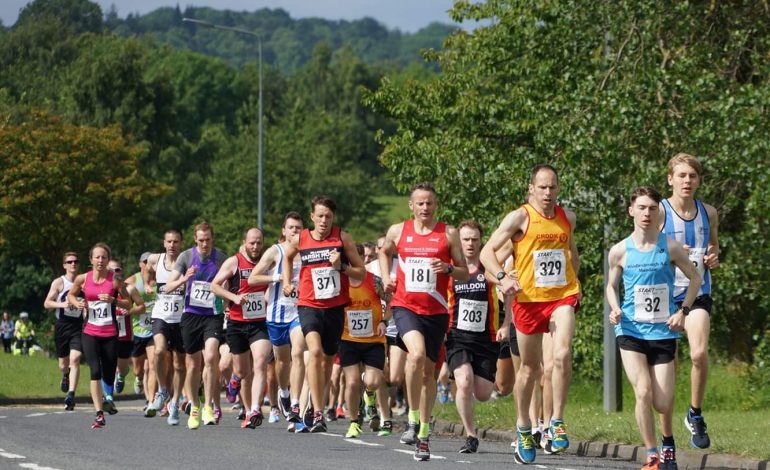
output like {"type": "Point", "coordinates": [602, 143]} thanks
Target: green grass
{"type": "Point", "coordinates": [733, 430]}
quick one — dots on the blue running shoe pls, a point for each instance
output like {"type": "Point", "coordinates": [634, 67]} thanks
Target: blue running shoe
{"type": "Point", "coordinates": [697, 427]}
{"type": "Point", "coordinates": [120, 383]}
{"type": "Point", "coordinates": [525, 450]}
{"type": "Point", "coordinates": [300, 428]}
{"type": "Point", "coordinates": [560, 441]}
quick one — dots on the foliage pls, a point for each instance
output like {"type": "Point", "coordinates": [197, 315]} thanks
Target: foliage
{"type": "Point", "coordinates": [607, 94]}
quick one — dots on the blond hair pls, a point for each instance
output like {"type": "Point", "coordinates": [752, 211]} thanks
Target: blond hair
{"type": "Point", "coordinates": [687, 159]}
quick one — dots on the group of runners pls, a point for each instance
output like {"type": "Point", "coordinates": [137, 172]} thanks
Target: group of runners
{"type": "Point", "coordinates": [500, 317]}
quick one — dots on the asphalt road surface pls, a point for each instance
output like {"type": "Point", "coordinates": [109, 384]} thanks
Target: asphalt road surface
{"type": "Point", "coordinates": [41, 438]}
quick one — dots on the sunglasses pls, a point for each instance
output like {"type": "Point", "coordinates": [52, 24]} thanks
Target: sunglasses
{"type": "Point", "coordinates": [117, 270]}
{"type": "Point", "coordinates": [71, 261]}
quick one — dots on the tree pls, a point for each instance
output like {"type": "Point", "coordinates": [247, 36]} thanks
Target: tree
{"type": "Point", "coordinates": [65, 187]}
{"type": "Point", "coordinates": [607, 94]}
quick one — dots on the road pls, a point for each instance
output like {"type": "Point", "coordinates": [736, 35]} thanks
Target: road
{"type": "Point", "coordinates": [42, 438]}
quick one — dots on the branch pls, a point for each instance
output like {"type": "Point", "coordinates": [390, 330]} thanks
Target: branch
{"type": "Point", "coordinates": [619, 55]}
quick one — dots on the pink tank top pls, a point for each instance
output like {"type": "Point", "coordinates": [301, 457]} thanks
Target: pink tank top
{"type": "Point", "coordinates": [100, 320]}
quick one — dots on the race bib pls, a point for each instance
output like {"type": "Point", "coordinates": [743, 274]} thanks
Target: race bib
{"type": "Point", "coordinates": [419, 275]}
{"type": "Point", "coordinates": [122, 330]}
{"type": "Point", "coordinates": [360, 323]}
{"type": "Point", "coordinates": [550, 268]}
{"type": "Point", "coordinates": [651, 303]}
{"type": "Point", "coordinates": [696, 257]}
{"type": "Point", "coordinates": [145, 321]}
{"type": "Point", "coordinates": [290, 301]}
{"type": "Point", "coordinates": [326, 282]}
{"type": "Point", "coordinates": [99, 313]}
{"type": "Point", "coordinates": [254, 307]}
{"type": "Point", "coordinates": [72, 312]}
{"type": "Point", "coordinates": [472, 315]}
{"type": "Point", "coordinates": [200, 295]}
{"type": "Point", "coordinates": [168, 306]}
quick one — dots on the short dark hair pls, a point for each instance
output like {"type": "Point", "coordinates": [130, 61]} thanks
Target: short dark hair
{"type": "Point", "coordinates": [174, 231]}
{"type": "Point", "coordinates": [538, 168]}
{"type": "Point", "coordinates": [424, 186]}
{"type": "Point", "coordinates": [325, 201]}
{"type": "Point", "coordinates": [369, 245]}
{"type": "Point", "coordinates": [471, 224]}
{"type": "Point", "coordinates": [204, 226]}
{"type": "Point", "coordinates": [360, 249]}
{"type": "Point", "coordinates": [68, 254]}
{"type": "Point", "coordinates": [292, 215]}
{"type": "Point", "coordinates": [648, 191]}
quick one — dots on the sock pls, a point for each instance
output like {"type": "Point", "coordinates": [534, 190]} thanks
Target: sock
{"type": "Point", "coordinates": [694, 411]}
{"type": "Point", "coordinates": [283, 393]}
{"type": "Point", "coordinates": [163, 390]}
{"type": "Point", "coordinates": [668, 441]}
{"type": "Point", "coordinates": [524, 429]}
{"type": "Point", "coordinates": [652, 451]}
{"type": "Point", "coordinates": [555, 421]}
{"type": "Point", "coordinates": [424, 431]}
{"type": "Point", "coordinates": [371, 398]}
{"type": "Point", "coordinates": [414, 416]}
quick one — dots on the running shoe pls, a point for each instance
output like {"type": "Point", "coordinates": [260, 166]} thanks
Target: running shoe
{"type": "Point", "coordinates": [300, 428]}
{"type": "Point", "coordinates": [374, 418]}
{"type": "Point", "coordinates": [697, 427]}
{"type": "Point", "coordinates": [331, 414]}
{"type": "Point", "coordinates": [291, 426]}
{"type": "Point", "coordinates": [217, 414]}
{"type": "Point", "coordinates": [233, 388]}
{"type": "Point", "coordinates": [109, 407]}
{"type": "Point", "coordinates": [285, 404]}
{"type": "Point", "coordinates": [173, 414]}
{"type": "Point", "coordinates": [386, 429]}
{"type": "Point", "coordinates": [157, 404]}
{"type": "Point", "coordinates": [99, 422]}
{"type": "Point", "coordinates": [340, 412]}
{"type": "Point", "coordinates": [471, 445]}
{"type": "Point", "coordinates": [194, 421]}
{"type": "Point", "coordinates": [275, 415]}
{"type": "Point", "coordinates": [253, 420]}
{"type": "Point", "coordinates": [319, 425]}
{"type": "Point", "coordinates": [668, 458]}
{"type": "Point", "coordinates": [138, 386]}
{"type": "Point", "coordinates": [69, 402]}
{"type": "Point", "coordinates": [65, 383]}
{"type": "Point", "coordinates": [164, 410]}
{"type": "Point", "coordinates": [443, 393]}
{"type": "Point", "coordinates": [525, 452]}
{"type": "Point", "coordinates": [308, 418]}
{"type": "Point", "coordinates": [422, 450]}
{"type": "Point", "coordinates": [558, 433]}
{"type": "Point", "coordinates": [546, 442]}
{"type": "Point", "coordinates": [538, 437]}
{"type": "Point", "coordinates": [120, 384]}
{"type": "Point", "coordinates": [294, 416]}
{"type": "Point", "coordinates": [354, 430]}
{"type": "Point", "coordinates": [653, 463]}
{"type": "Point", "coordinates": [409, 437]}
{"type": "Point", "coordinates": [242, 414]}
{"type": "Point", "coordinates": [207, 416]}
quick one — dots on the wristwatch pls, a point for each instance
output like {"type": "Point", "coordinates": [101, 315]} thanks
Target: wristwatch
{"type": "Point", "coordinates": [501, 275]}
{"type": "Point", "coordinates": [343, 267]}
{"type": "Point", "coordinates": [685, 310]}
{"type": "Point", "coordinates": [449, 268]}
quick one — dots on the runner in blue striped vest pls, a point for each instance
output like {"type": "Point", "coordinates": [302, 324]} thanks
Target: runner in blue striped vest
{"type": "Point", "coordinates": [649, 321]}
{"type": "Point", "coordinates": [694, 224]}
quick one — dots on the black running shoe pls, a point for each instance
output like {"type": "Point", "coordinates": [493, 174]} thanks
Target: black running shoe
{"type": "Point", "coordinates": [294, 416]}
{"type": "Point", "coordinates": [697, 426]}
{"type": "Point", "coordinates": [99, 422]}
{"type": "Point", "coordinates": [319, 425]}
{"type": "Point", "coordinates": [331, 415]}
{"type": "Point", "coordinates": [308, 418]}
{"type": "Point", "coordinates": [69, 402]}
{"type": "Point", "coordinates": [65, 383]}
{"type": "Point", "coordinates": [285, 405]}
{"type": "Point", "coordinates": [109, 407]}
{"type": "Point", "coordinates": [422, 450]}
{"type": "Point", "coordinates": [471, 445]}
{"type": "Point", "coordinates": [668, 458]}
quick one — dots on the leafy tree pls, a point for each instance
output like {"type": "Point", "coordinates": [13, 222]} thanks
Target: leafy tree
{"type": "Point", "coordinates": [77, 16]}
{"type": "Point", "coordinates": [607, 94]}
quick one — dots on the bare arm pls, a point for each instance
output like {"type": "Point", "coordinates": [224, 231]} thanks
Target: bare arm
{"type": "Point", "coordinates": [76, 288]}
{"type": "Point", "coordinates": [149, 272]}
{"type": "Point", "coordinates": [288, 265]}
{"type": "Point", "coordinates": [509, 227]}
{"type": "Point", "coordinates": [711, 260]}
{"type": "Point", "coordinates": [176, 279]}
{"type": "Point", "coordinates": [138, 307]}
{"type": "Point", "coordinates": [126, 302]}
{"type": "Point", "coordinates": [616, 256]}
{"type": "Point", "coordinates": [53, 293]}
{"type": "Point", "coordinates": [680, 258]}
{"type": "Point", "coordinates": [574, 256]}
{"type": "Point", "coordinates": [266, 262]}
{"type": "Point", "coordinates": [355, 269]}
{"type": "Point", "coordinates": [385, 256]}
{"type": "Point", "coordinates": [222, 278]}
{"type": "Point", "coordinates": [460, 270]}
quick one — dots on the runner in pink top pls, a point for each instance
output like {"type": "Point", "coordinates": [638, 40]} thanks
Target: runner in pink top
{"type": "Point", "coordinates": [100, 335]}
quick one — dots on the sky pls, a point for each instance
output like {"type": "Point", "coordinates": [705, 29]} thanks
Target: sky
{"type": "Point", "coordinates": [406, 15]}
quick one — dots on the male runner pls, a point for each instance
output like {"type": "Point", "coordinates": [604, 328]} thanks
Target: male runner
{"type": "Point", "coordinates": [143, 347]}
{"type": "Point", "coordinates": [429, 253]}
{"type": "Point", "coordinates": [166, 330]}
{"type": "Point", "coordinates": [68, 328]}
{"type": "Point", "coordinates": [472, 343]}
{"type": "Point", "coordinates": [694, 224]}
{"type": "Point", "coordinates": [246, 330]}
{"type": "Point", "coordinates": [201, 324]}
{"type": "Point", "coordinates": [548, 292]}
{"type": "Point", "coordinates": [283, 324]}
{"type": "Point", "coordinates": [648, 323]}
{"type": "Point", "coordinates": [328, 257]}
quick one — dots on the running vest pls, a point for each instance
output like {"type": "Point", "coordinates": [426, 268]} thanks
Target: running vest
{"type": "Point", "coordinates": [254, 308]}
{"type": "Point", "coordinates": [282, 309]}
{"type": "Point", "coordinates": [67, 315]}
{"type": "Point", "coordinates": [320, 285]}
{"type": "Point", "coordinates": [648, 301]}
{"type": "Point", "coordinates": [695, 234]}
{"type": "Point", "coordinates": [198, 298]}
{"type": "Point", "coordinates": [418, 288]}
{"type": "Point", "coordinates": [168, 306]}
{"type": "Point", "coordinates": [142, 324]}
{"type": "Point", "coordinates": [363, 314]}
{"type": "Point", "coordinates": [101, 315]}
{"type": "Point", "coordinates": [474, 309]}
{"type": "Point", "coordinates": [542, 258]}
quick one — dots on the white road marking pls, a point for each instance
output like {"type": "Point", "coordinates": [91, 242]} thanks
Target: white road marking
{"type": "Point", "coordinates": [330, 434]}
{"type": "Point", "coordinates": [363, 443]}
{"type": "Point", "coordinates": [411, 452]}
{"type": "Point", "coordinates": [1, 417]}
{"type": "Point", "coordinates": [9, 455]}
{"type": "Point", "coordinates": [33, 415]}
{"type": "Point", "coordinates": [35, 466]}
